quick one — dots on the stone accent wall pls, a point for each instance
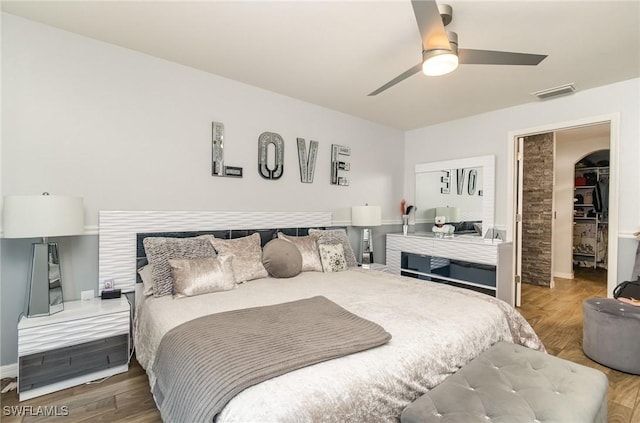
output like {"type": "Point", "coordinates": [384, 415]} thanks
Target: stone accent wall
{"type": "Point", "coordinates": [537, 206]}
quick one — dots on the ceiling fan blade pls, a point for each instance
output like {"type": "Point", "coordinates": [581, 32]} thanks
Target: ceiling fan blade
{"type": "Point", "coordinates": [417, 68]}
{"type": "Point", "coordinates": [490, 57]}
{"type": "Point", "coordinates": [430, 25]}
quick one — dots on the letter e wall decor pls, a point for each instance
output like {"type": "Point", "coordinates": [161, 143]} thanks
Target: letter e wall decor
{"type": "Point", "coordinates": [337, 165]}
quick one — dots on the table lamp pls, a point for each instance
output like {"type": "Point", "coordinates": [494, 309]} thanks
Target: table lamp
{"type": "Point", "coordinates": [43, 216]}
{"type": "Point", "coordinates": [366, 216]}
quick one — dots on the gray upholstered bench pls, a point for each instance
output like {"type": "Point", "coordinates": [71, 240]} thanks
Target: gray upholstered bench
{"type": "Point", "coordinates": [510, 384]}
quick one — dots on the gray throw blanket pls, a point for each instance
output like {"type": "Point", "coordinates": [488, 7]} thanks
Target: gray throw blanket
{"type": "Point", "coordinates": [202, 364]}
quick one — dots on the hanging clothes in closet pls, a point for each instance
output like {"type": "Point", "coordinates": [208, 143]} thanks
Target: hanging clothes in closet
{"type": "Point", "coordinates": [601, 196]}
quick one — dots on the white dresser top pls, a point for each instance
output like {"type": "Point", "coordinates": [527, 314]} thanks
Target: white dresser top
{"type": "Point", "coordinates": [467, 238]}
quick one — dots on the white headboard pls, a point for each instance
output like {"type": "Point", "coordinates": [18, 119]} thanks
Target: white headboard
{"type": "Point", "coordinates": [118, 229]}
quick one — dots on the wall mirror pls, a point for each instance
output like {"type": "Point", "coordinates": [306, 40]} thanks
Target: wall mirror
{"type": "Point", "coordinates": [468, 185]}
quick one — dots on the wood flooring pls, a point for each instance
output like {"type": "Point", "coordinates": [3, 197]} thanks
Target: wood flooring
{"type": "Point", "coordinates": [555, 314]}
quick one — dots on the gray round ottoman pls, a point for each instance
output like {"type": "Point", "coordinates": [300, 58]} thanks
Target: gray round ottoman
{"type": "Point", "coordinates": [611, 333]}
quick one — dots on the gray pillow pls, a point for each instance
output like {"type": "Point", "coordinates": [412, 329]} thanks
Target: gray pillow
{"type": "Point", "coordinates": [308, 248]}
{"type": "Point", "coordinates": [247, 256]}
{"type": "Point", "coordinates": [159, 250]}
{"type": "Point", "coordinates": [333, 236]}
{"type": "Point", "coordinates": [281, 258]}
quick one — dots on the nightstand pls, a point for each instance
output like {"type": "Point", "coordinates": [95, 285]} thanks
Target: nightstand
{"type": "Point", "coordinates": [86, 341]}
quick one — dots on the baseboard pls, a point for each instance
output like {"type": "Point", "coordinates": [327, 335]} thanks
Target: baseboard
{"type": "Point", "coordinates": [563, 275]}
{"type": "Point", "coordinates": [9, 370]}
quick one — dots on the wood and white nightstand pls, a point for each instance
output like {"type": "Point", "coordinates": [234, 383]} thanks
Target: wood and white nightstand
{"type": "Point", "coordinates": [86, 341]}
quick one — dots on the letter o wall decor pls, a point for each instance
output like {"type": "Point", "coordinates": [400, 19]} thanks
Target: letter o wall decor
{"type": "Point", "coordinates": [264, 140]}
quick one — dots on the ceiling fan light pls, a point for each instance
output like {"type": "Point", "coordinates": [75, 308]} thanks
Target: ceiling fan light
{"type": "Point", "coordinates": [439, 62]}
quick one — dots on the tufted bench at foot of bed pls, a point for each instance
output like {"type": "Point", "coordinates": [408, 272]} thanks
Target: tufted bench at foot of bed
{"type": "Point", "coordinates": [510, 384]}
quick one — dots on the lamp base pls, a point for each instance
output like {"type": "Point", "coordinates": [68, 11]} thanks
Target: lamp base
{"type": "Point", "coordinates": [367, 259]}
{"type": "Point", "coordinates": [44, 293]}
{"type": "Point", "coordinates": [367, 250]}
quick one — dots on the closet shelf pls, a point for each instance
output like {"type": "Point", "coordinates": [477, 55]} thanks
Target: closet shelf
{"type": "Point", "coordinates": [589, 243]}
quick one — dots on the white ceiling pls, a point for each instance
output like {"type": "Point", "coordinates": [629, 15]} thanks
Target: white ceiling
{"type": "Point", "coordinates": [333, 53]}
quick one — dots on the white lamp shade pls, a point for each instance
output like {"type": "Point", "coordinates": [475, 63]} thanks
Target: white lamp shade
{"type": "Point", "coordinates": [451, 214]}
{"type": "Point", "coordinates": [366, 216]}
{"type": "Point", "coordinates": [440, 64]}
{"type": "Point", "coordinates": [40, 216]}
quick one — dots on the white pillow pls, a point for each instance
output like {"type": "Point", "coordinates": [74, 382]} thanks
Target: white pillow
{"type": "Point", "coordinates": [203, 275]}
{"type": "Point", "coordinates": [333, 236]}
{"type": "Point", "coordinates": [332, 256]}
{"type": "Point", "coordinates": [145, 273]}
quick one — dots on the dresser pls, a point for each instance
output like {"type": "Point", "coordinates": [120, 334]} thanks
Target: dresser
{"type": "Point", "coordinates": [86, 341]}
{"type": "Point", "coordinates": [465, 261]}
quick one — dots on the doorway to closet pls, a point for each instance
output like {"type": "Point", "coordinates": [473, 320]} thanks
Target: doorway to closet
{"type": "Point", "coordinates": [591, 212]}
{"type": "Point", "coordinates": [546, 220]}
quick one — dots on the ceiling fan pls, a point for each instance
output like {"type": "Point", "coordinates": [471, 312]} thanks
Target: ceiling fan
{"type": "Point", "coordinates": [440, 52]}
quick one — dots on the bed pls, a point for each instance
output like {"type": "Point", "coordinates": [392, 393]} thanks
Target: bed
{"type": "Point", "coordinates": [435, 329]}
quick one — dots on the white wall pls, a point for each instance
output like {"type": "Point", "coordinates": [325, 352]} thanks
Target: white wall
{"type": "Point", "coordinates": [488, 134]}
{"type": "Point", "coordinates": [128, 131]}
{"type": "Point", "coordinates": [569, 151]}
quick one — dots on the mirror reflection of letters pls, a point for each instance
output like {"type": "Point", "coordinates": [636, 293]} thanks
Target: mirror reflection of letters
{"type": "Point", "coordinates": [461, 188]}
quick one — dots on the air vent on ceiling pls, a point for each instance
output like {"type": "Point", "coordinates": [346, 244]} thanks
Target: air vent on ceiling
{"type": "Point", "coordinates": [555, 91]}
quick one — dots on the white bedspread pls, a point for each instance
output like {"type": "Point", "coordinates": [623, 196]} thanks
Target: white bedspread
{"type": "Point", "coordinates": [436, 329]}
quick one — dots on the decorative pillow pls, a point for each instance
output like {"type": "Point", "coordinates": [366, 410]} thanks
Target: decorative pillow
{"type": "Point", "coordinates": [147, 279]}
{"type": "Point", "coordinates": [308, 248]}
{"type": "Point", "coordinates": [159, 250]}
{"type": "Point", "coordinates": [281, 258]}
{"type": "Point", "coordinates": [201, 276]}
{"type": "Point", "coordinates": [332, 256]}
{"type": "Point", "coordinates": [247, 256]}
{"type": "Point", "coordinates": [333, 236]}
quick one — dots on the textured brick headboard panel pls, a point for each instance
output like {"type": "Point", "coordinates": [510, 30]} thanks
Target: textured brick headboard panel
{"type": "Point", "coordinates": [119, 233]}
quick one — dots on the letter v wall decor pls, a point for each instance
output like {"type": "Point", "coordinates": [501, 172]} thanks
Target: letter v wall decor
{"type": "Point", "coordinates": [307, 162]}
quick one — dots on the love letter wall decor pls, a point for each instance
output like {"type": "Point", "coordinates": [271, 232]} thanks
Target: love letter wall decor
{"type": "Point", "coordinates": [462, 176]}
{"type": "Point", "coordinates": [218, 167]}
{"type": "Point", "coordinates": [307, 162]}
{"type": "Point", "coordinates": [338, 165]}
{"type": "Point", "coordinates": [264, 140]}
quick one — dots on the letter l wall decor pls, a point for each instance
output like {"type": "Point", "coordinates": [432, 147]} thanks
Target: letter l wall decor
{"type": "Point", "coordinates": [218, 167]}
